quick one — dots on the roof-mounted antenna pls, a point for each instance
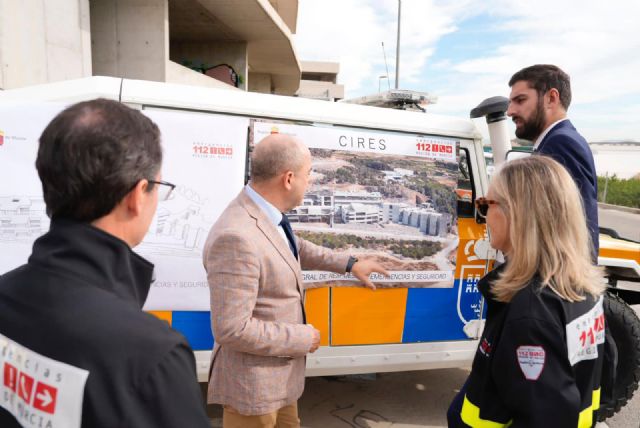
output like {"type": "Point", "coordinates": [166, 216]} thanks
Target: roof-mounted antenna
{"type": "Point", "coordinates": [386, 66]}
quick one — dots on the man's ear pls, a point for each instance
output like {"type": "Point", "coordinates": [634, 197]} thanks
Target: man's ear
{"type": "Point", "coordinates": [286, 179]}
{"type": "Point", "coordinates": [135, 198]}
{"type": "Point", "coordinates": [553, 97]}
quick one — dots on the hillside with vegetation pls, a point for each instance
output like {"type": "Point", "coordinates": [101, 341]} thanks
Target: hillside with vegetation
{"type": "Point", "coordinates": [413, 249]}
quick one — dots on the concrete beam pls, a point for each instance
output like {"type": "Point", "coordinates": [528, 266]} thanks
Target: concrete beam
{"type": "Point", "coordinates": [260, 82]}
{"type": "Point", "coordinates": [43, 42]}
{"type": "Point", "coordinates": [130, 38]}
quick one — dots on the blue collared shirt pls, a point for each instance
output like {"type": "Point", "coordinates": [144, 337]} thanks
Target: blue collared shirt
{"type": "Point", "coordinates": [273, 213]}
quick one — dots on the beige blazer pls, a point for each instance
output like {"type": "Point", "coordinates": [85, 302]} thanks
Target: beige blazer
{"type": "Point", "coordinates": [258, 361]}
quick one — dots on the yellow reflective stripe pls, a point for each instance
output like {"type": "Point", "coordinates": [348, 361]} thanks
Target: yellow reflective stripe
{"type": "Point", "coordinates": [595, 401]}
{"type": "Point", "coordinates": [471, 416]}
{"type": "Point", "coordinates": [585, 420]}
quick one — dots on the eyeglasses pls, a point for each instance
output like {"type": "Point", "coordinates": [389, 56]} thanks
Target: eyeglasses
{"type": "Point", "coordinates": [482, 204]}
{"type": "Point", "coordinates": [165, 189]}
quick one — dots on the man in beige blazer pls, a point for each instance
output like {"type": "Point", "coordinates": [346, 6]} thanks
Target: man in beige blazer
{"type": "Point", "coordinates": [253, 264]}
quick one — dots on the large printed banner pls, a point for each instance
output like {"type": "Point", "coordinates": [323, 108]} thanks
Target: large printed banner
{"type": "Point", "coordinates": [22, 210]}
{"type": "Point", "coordinates": [204, 155]}
{"type": "Point", "coordinates": [386, 195]}
{"type": "Point", "coordinates": [363, 141]}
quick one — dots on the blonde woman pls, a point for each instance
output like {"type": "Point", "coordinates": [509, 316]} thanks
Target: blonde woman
{"type": "Point", "coordinates": [540, 356]}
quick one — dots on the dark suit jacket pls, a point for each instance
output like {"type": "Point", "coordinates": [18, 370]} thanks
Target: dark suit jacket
{"type": "Point", "coordinates": [564, 144]}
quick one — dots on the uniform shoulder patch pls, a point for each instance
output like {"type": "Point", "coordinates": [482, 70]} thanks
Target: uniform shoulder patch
{"type": "Point", "coordinates": [585, 333]}
{"type": "Point", "coordinates": [39, 391]}
{"type": "Point", "coordinates": [531, 360]}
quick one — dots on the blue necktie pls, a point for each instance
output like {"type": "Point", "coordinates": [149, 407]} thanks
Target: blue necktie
{"type": "Point", "coordinates": [289, 232]}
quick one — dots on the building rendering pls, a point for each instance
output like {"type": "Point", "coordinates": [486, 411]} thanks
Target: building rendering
{"type": "Point", "coordinates": [361, 207]}
{"type": "Point", "coordinates": [360, 213]}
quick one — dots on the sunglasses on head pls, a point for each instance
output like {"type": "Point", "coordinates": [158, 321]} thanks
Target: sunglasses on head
{"type": "Point", "coordinates": [482, 204]}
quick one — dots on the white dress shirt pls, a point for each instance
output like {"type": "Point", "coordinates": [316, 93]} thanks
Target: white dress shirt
{"type": "Point", "coordinates": [545, 132]}
{"type": "Point", "coordinates": [272, 212]}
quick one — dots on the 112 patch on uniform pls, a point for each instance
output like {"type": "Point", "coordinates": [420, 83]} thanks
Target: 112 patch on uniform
{"type": "Point", "coordinates": [531, 360]}
{"type": "Point", "coordinates": [585, 333]}
{"type": "Point", "coordinates": [39, 391]}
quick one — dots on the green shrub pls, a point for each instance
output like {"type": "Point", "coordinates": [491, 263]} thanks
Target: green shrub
{"type": "Point", "coordinates": [619, 191]}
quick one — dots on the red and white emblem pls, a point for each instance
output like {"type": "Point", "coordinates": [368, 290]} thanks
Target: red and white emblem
{"type": "Point", "coordinates": [38, 390]}
{"type": "Point", "coordinates": [531, 360]}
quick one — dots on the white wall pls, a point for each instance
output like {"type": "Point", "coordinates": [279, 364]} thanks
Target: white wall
{"type": "Point", "coordinates": [43, 41]}
{"type": "Point", "coordinates": [130, 38]}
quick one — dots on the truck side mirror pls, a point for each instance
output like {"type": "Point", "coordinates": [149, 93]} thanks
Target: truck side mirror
{"type": "Point", "coordinates": [517, 154]}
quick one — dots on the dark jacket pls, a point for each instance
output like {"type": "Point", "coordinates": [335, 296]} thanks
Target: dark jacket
{"type": "Point", "coordinates": [538, 363]}
{"type": "Point", "coordinates": [78, 301]}
{"type": "Point", "coordinates": [564, 144]}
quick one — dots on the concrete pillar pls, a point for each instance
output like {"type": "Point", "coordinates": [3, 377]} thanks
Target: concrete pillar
{"type": "Point", "coordinates": [211, 54]}
{"type": "Point", "coordinates": [130, 38]}
{"type": "Point", "coordinates": [260, 82]}
{"type": "Point", "coordinates": [43, 41]}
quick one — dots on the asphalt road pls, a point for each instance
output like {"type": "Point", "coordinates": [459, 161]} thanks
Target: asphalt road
{"type": "Point", "coordinates": [626, 224]}
{"type": "Point", "coordinates": [417, 399]}
{"type": "Point", "coordinates": [400, 400]}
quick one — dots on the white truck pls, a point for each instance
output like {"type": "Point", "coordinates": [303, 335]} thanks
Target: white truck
{"type": "Point", "coordinates": [398, 183]}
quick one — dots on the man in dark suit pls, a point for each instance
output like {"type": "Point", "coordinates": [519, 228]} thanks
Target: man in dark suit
{"type": "Point", "coordinates": [540, 97]}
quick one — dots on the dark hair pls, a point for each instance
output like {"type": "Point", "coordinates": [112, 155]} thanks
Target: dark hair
{"type": "Point", "coordinates": [92, 154]}
{"type": "Point", "coordinates": [543, 77]}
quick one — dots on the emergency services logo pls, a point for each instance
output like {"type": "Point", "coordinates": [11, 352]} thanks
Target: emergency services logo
{"type": "Point", "coordinates": [485, 347]}
{"type": "Point", "coordinates": [209, 150]}
{"type": "Point", "coordinates": [531, 360]}
{"type": "Point", "coordinates": [585, 333]}
{"type": "Point", "coordinates": [39, 391]}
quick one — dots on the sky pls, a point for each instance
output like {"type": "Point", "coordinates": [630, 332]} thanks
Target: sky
{"type": "Point", "coordinates": [464, 51]}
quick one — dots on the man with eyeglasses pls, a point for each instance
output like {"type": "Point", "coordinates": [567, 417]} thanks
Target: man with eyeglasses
{"type": "Point", "coordinates": [75, 347]}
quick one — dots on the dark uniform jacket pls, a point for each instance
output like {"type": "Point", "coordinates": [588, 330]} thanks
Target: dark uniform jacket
{"type": "Point", "coordinates": [74, 308]}
{"type": "Point", "coordinates": [538, 363]}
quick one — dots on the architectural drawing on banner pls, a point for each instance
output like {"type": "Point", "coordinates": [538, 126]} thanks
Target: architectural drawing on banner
{"type": "Point", "coordinates": [180, 227]}
{"type": "Point", "coordinates": [22, 218]}
{"type": "Point", "coordinates": [381, 195]}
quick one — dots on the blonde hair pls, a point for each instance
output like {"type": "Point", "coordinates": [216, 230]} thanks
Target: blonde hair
{"type": "Point", "coordinates": [548, 231]}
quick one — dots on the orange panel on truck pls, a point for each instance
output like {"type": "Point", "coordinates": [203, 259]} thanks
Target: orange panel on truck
{"type": "Point", "coordinates": [317, 310]}
{"type": "Point", "coordinates": [363, 317]}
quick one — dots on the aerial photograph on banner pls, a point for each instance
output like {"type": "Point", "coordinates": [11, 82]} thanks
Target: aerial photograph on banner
{"type": "Point", "coordinates": [398, 209]}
